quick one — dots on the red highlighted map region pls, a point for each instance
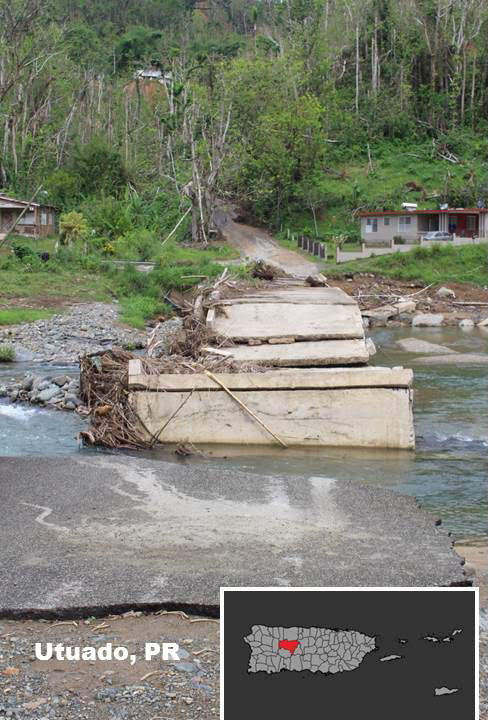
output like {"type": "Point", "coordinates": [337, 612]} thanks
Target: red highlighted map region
{"type": "Point", "coordinates": [290, 645]}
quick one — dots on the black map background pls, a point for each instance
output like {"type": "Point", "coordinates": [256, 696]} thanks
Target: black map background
{"type": "Point", "coordinates": [378, 690]}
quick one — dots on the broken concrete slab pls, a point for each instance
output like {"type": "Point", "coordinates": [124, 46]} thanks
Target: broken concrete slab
{"type": "Point", "coordinates": [405, 306]}
{"type": "Point", "coordinates": [453, 359]}
{"type": "Point", "coordinates": [372, 417]}
{"type": "Point", "coordinates": [294, 296]}
{"type": "Point", "coordinates": [414, 345]}
{"type": "Point", "coordinates": [88, 533]}
{"type": "Point", "coordinates": [299, 354]}
{"type": "Point", "coordinates": [261, 321]}
{"type": "Point", "coordinates": [285, 378]}
{"type": "Point", "coordinates": [385, 312]}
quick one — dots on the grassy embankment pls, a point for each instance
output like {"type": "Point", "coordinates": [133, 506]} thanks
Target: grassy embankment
{"type": "Point", "coordinates": [466, 264]}
{"type": "Point", "coordinates": [31, 289]}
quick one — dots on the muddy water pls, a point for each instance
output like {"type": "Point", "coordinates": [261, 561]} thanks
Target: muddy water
{"type": "Point", "coordinates": [447, 472]}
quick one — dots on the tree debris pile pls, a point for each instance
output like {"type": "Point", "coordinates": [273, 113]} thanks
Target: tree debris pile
{"type": "Point", "coordinates": [104, 390]}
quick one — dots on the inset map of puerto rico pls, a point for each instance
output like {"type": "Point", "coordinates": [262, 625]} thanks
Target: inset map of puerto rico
{"type": "Point", "coordinates": [376, 653]}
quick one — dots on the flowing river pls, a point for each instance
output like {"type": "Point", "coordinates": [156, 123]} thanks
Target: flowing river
{"type": "Point", "coordinates": [447, 472]}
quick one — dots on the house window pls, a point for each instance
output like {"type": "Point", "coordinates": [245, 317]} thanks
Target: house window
{"type": "Point", "coordinates": [372, 225]}
{"type": "Point", "coordinates": [44, 218]}
{"type": "Point", "coordinates": [471, 222]}
{"type": "Point", "coordinates": [387, 220]}
{"type": "Point", "coordinates": [404, 223]}
{"type": "Point", "coordinates": [28, 219]}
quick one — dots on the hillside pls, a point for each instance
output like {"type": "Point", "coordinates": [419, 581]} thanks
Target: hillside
{"type": "Point", "coordinates": [136, 119]}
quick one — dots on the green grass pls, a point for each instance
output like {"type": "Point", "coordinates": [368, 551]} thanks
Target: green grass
{"type": "Point", "coordinates": [16, 316]}
{"type": "Point", "coordinates": [137, 310]}
{"type": "Point", "coordinates": [466, 264]}
{"type": "Point", "coordinates": [7, 353]}
{"type": "Point", "coordinates": [65, 283]}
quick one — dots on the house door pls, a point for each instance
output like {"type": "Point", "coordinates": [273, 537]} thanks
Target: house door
{"type": "Point", "coordinates": [461, 225]}
{"type": "Point", "coordinates": [6, 219]}
{"type": "Point", "coordinates": [472, 229]}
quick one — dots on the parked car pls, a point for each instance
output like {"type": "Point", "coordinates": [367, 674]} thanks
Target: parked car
{"type": "Point", "coordinates": [437, 235]}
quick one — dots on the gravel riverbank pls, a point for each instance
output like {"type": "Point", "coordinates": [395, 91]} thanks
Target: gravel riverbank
{"type": "Point", "coordinates": [110, 689]}
{"type": "Point", "coordinates": [60, 339]}
{"type": "Point", "coordinates": [58, 342]}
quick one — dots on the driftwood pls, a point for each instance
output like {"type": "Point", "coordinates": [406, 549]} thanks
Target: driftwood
{"type": "Point", "coordinates": [104, 387]}
{"type": "Point", "coordinates": [466, 302]}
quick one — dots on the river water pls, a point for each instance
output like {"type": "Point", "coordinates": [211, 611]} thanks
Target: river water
{"type": "Point", "coordinates": [447, 472]}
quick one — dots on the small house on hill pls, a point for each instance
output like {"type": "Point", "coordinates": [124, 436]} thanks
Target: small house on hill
{"type": "Point", "coordinates": [381, 228]}
{"type": "Point", "coordinates": [36, 221]}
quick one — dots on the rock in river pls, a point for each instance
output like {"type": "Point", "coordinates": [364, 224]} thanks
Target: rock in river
{"type": "Point", "coordinates": [427, 320]}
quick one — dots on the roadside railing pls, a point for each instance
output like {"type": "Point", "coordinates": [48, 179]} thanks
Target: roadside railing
{"type": "Point", "coordinates": [314, 247]}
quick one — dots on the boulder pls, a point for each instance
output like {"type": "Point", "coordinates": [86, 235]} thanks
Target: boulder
{"type": "Point", "coordinates": [466, 324]}
{"type": "Point", "coordinates": [427, 320]}
{"type": "Point", "coordinates": [483, 323]}
{"type": "Point", "coordinates": [42, 385]}
{"type": "Point", "coordinates": [49, 393]}
{"type": "Point", "coordinates": [445, 292]}
{"type": "Point", "coordinates": [61, 380]}
{"type": "Point", "coordinates": [27, 383]}
{"type": "Point", "coordinates": [414, 345]}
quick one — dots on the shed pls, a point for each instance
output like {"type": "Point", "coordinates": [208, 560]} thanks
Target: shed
{"type": "Point", "coordinates": [37, 220]}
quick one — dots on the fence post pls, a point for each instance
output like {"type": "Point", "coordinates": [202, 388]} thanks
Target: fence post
{"type": "Point", "coordinates": [337, 253]}
{"type": "Point", "coordinates": [322, 254]}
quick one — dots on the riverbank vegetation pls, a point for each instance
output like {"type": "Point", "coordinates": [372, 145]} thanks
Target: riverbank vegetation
{"type": "Point", "coordinates": [137, 119]}
{"type": "Point", "coordinates": [7, 353]}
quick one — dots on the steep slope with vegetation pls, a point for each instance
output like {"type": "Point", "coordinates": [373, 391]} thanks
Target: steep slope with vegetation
{"type": "Point", "coordinates": [301, 112]}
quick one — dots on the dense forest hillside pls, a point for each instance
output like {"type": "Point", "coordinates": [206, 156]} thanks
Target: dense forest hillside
{"type": "Point", "coordinates": [302, 112]}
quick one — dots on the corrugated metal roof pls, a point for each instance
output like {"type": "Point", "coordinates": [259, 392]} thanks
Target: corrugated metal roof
{"type": "Point", "coordinates": [6, 201]}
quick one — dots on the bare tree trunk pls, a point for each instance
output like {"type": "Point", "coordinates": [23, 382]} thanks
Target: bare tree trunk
{"type": "Point", "coordinates": [473, 89]}
{"type": "Point", "coordinates": [463, 85]}
{"type": "Point", "coordinates": [357, 71]}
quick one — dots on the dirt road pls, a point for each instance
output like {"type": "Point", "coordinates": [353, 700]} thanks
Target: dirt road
{"type": "Point", "coordinates": [256, 244]}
